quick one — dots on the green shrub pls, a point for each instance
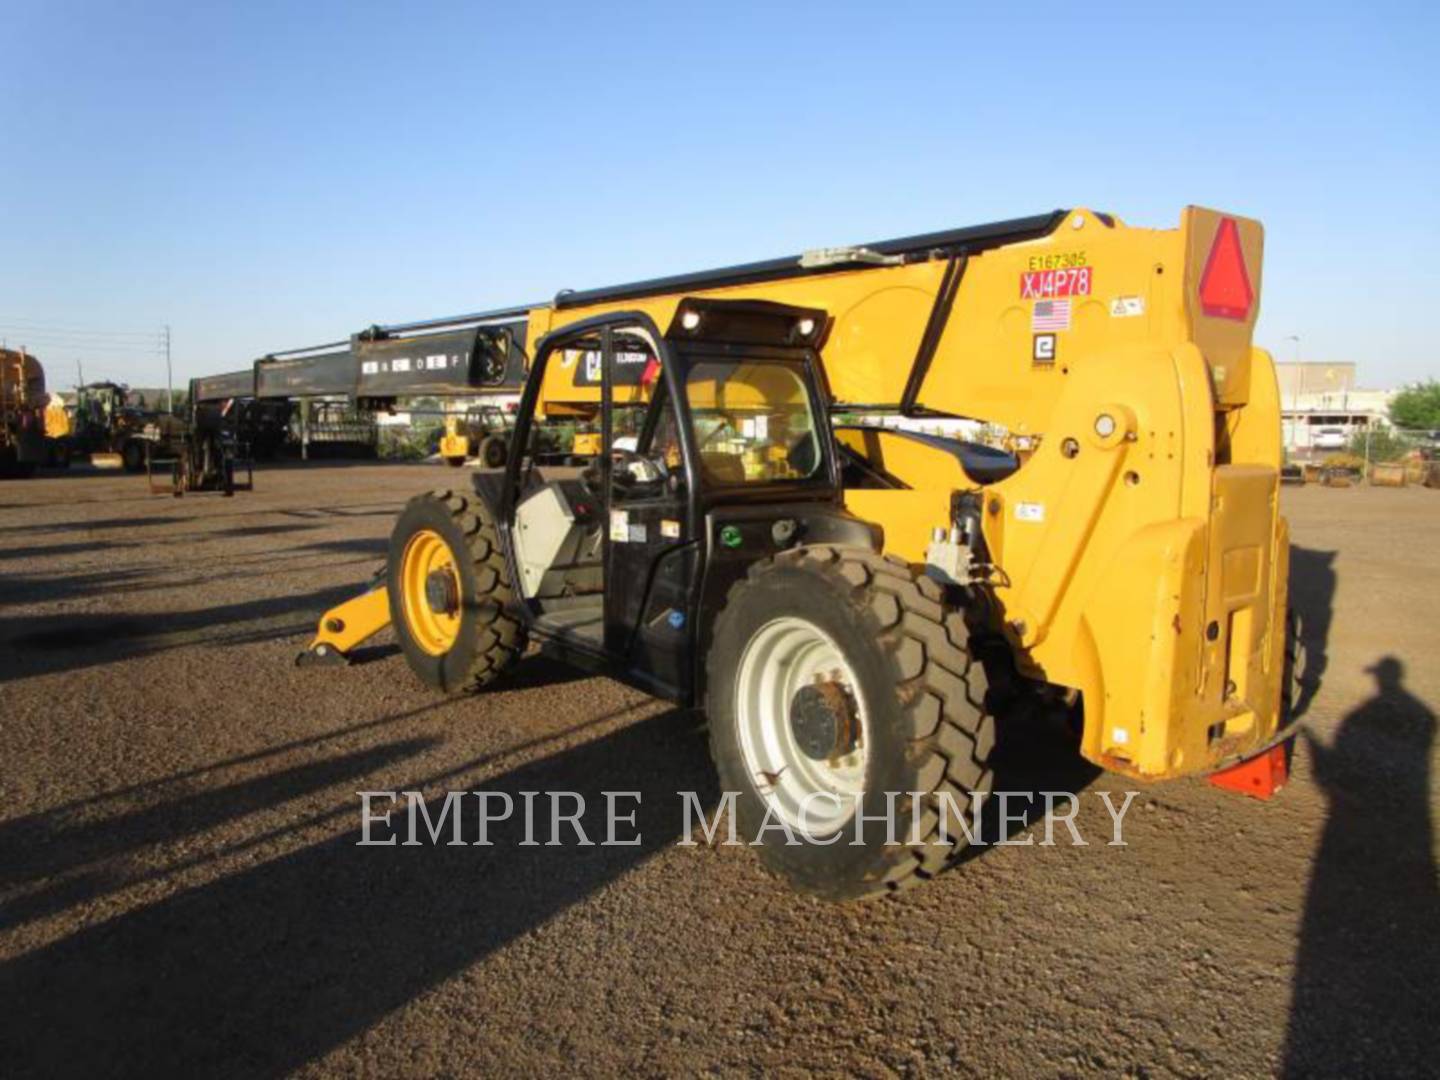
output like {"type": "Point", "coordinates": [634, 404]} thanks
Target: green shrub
{"type": "Point", "coordinates": [1383, 445]}
{"type": "Point", "coordinates": [408, 443]}
{"type": "Point", "coordinates": [1343, 461]}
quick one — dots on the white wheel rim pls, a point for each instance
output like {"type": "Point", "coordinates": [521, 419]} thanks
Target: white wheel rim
{"type": "Point", "coordinates": [814, 797]}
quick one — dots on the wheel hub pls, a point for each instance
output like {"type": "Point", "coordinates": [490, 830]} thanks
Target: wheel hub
{"type": "Point", "coordinates": [441, 592]}
{"type": "Point", "coordinates": [822, 721]}
{"type": "Point", "coordinates": [803, 726]}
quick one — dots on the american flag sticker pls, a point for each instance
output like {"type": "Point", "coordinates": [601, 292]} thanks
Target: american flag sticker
{"type": "Point", "coordinates": [1049, 316]}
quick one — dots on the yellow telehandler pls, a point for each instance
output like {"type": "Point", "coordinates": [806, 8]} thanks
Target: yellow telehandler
{"type": "Point", "coordinates": [854, 604]}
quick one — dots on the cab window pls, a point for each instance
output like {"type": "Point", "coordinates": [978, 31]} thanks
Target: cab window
{"type": "Point", "coordinates": [753, 422]}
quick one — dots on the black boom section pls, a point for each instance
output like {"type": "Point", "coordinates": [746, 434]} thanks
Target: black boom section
{"type": "Point", "coordinates": [486, 349]}
{"type": "Point", "coordinates": [380, 364]}
{"type": "Point", "coordinates": [451, 362]}
{"type": "Point", "coordinates": [321, 375]}
{"type": "Point", "coordinates": [233, 384]}
{"type": "Point", "coordinates": [947, 243]}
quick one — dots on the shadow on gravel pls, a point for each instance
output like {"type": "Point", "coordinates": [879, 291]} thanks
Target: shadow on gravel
{"type": "Point", "coordinates": [48, 551]}
{"type": "Point", "coordinates": [240, 531]}
{"type": "Point", "coordinates": [377, 546]}
{"type": "Point", "coordinates": [344, 511]}
{"type": "Point", "coordinates": [354, 510]}
{"type": "Point", "coordinates": [1365, 996]}
{"type": "Point", "coordinates": [1039, 753]}
{"type": "Point", "coordinates": [45, 846]}
{"type": "Point", "coordinates": [55, 588]}
{"type": "Point", "coordinates": [295, 464]}
{"type": "Point", "coordinates": [538, 671]}
{"type": "Point", "coordinates": [48, 588]}
{"type": "Point", "coordinates": [1312, 599]}
{"type": "Point", "coordinates": [55, 643]}
{"type": "Point", "coordinates": [531, 672]}
{"type": "Point", "coordinates": [265, 970]}
{"type": "Point", "coordinates": [88, 524]}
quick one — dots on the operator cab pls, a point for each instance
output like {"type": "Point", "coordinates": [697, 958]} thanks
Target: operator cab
{"type": "Point", "coordinates": [725, 408]}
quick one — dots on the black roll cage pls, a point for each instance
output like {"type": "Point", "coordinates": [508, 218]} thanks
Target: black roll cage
{"type": "Point", "coordinates": [699, 496]}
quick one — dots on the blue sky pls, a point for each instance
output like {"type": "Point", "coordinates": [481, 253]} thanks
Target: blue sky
{"type": "Point", "coordinates": [261, 176]}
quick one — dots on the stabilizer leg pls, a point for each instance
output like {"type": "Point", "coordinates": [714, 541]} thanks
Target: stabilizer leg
{"type": "Point", "coordinates": [345, 626]}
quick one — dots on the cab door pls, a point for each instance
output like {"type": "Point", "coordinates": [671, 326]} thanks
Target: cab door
{"type": "Point", "coordinates": [651, 550]}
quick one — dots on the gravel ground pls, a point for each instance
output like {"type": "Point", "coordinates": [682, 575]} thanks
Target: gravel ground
{"type": "Point", "coordinates": [181, 892]}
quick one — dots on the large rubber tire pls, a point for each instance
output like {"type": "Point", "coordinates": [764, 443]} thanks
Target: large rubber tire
{"type": "Point", "coordinates": [923, 691]}
{"type": "Point", "coordinates": [1296, 678]}
{"type": "Point", "coordinates": [132, 456]}
{"type": "Point", "coordinates": [489, 636]}
{"type": "Point", "coordinates": [455, 462]}
{"type": "Point", "coordinates": [493, 452]}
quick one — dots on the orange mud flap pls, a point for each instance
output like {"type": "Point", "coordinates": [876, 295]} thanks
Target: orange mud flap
{"type": "Point", "coordinates": [1261, 776]}
{"type": "Point", "coordinates": [347, 625]}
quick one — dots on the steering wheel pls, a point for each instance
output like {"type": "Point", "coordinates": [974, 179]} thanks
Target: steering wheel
{"type": "Point", "coordinates": [622, 459]}
{"type": "Point", "coordinates": [715, 432]}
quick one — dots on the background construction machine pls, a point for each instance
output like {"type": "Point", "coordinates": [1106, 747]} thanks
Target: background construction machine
{"type": "Point", "coordinates": [106, 427]}
{"type": "Point", "coordinates": [857, 610]}
{"type": "Point", "coordinates": [208, 449]}
{"type": "Point", "coordinates": [482, 432]}
{"type": "Point", "coordinates": [25, 442]}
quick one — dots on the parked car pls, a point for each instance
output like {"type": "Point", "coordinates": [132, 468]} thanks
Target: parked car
{"type": "Point", "coordinates": [1329, 438]}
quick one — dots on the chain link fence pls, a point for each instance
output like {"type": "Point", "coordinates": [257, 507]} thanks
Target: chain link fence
{"type": "Point", "coordinates": [1379, 454]}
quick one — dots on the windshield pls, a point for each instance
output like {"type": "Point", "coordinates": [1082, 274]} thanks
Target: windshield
{"type": "Point", "coordinates": [753, 422]}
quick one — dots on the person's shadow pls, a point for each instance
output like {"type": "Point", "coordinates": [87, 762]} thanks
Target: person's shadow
{"type": "Point", "coordinates": [1366, 998]}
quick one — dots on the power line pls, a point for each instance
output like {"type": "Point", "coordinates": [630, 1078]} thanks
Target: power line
{"type": "Point", "coordinates": [62, 340]}
{"type": "Point", "coordinates": [87, 339]}
{"type": "Point", "coordinates": [82, 347]}
{"type": "Point", "coordinates": [54, 335]}
{"type": "Point", "coordinates": [40, 340]}
{"type": "Point", "coordinates": [65, 342]}
{"type": "Point", "coordinates": [78, 328]}
{"type": "Point", "coordinates": [76, 335]}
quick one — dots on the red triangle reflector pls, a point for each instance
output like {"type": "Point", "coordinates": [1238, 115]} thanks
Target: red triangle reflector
{"type": "Point", "coordinates": [1225, 291]}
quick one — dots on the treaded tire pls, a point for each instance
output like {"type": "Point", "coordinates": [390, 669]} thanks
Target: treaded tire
{"type": "Point", "coordinates": [1296, 680]}
{"type": "Point", "coordinates": [923, 692]}
{"type": "Point", "coordinates": [493, 452]}
{"type": "Point", "coordinates": [489, 637]}
{"type": "Point", "coordinates": [132, 456]}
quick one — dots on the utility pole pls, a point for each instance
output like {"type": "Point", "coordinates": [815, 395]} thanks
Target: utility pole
{"type": "Point", "coordinates": [1296, 386]}
{"type": "Point", "coordinates": [169, 383]}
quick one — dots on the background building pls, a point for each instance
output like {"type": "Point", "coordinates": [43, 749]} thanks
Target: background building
{"type": "Point", "coordinates": [1322, 407]}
